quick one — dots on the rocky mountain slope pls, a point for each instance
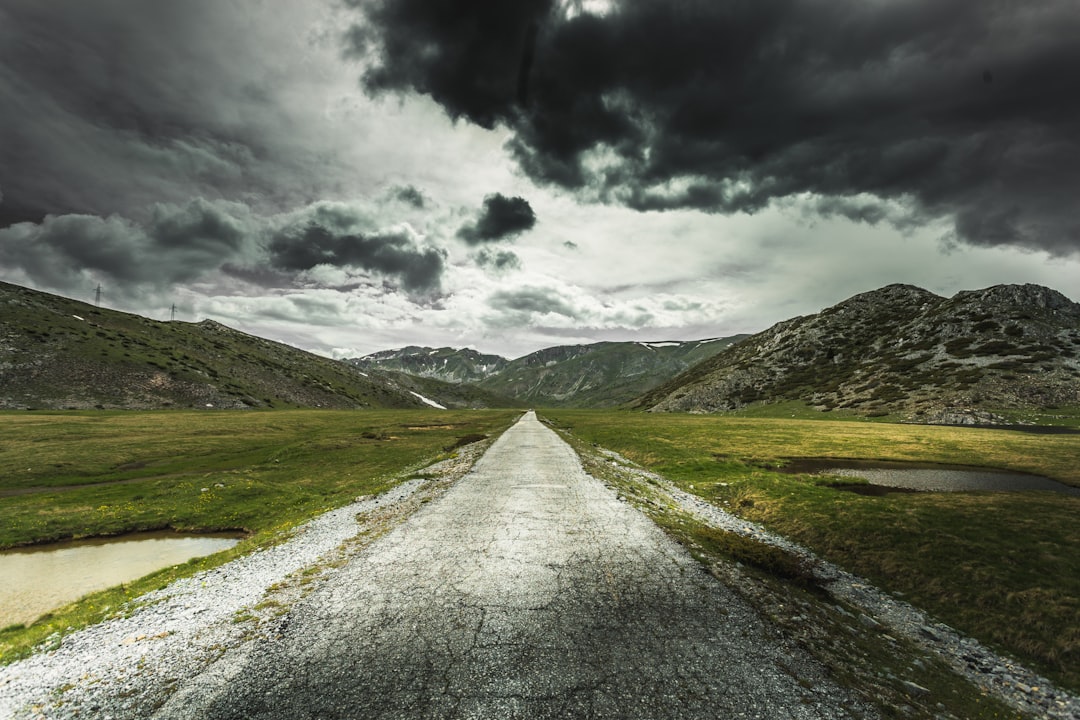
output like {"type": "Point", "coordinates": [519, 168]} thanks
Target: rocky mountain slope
{"type": "Point", "coordinates": [900, 349]}
{"type": "Point", "coordinates": [452, 365]}
{"type": "Point", "coordinates": [601, 374]}
{"type": "Point", "coordinates": [60, 353]}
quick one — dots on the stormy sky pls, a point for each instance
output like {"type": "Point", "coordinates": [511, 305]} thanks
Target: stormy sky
{"type": "Point", "coordinates": [354, 175]}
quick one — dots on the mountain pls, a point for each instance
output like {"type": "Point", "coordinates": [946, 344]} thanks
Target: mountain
{"type": "Point", "coordinates": [447, 364]}
{"type": "Point", "coordinates": [438, 393]}
{"type": "Point", "coordinates": [61, 353]}
{"type": "Point", "coordinates": [900, 349]}
{"type": "Point", "coordinates": [602, 374]}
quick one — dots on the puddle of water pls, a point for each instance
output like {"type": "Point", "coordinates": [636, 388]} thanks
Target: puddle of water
{"type": "Point", "coordinates": [927, 477]}
{"type": "Point", "coordinates": [39, 579]}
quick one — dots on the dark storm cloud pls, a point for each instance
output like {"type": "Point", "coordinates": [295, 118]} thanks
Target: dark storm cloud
{"type": "Point", "coordinates": [200, 230]}
{"type": "Point", "coordinates": [388, 253]}
{"type": "Point", "coordinates": [499, 261]}
{"type": "Point", "coordinates": [432, 46]}
{"type": "Point", "coordinates": [501, 217]}
{"type": "Point", "coordinates": [963, 110]}
{"type": "Point", "coordinates": [112, 106]}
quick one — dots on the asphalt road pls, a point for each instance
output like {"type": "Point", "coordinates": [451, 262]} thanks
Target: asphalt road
{"type": "Point", "coordinates": [528, 590]}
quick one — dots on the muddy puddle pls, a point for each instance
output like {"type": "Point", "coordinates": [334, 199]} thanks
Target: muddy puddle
{"type": "Point", "coordinates": [924, 477]}
{"type": "Point", "coordinates": [43, 578]}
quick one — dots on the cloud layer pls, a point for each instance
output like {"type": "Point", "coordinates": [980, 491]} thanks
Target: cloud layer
{"type": "Point", "coordinates": [193, 242]}
{"type": "Point", "coordinates": [958, 110]}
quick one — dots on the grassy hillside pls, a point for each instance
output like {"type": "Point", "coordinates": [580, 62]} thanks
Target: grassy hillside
{"type": "Point", "coordinates": [61, 353]}
{"type": "Point", "coordinates": [604, 374]}
{"type": "Point", "coordinates": [447, 394]}
{"type": "Point", "coordinates": [998, 566]}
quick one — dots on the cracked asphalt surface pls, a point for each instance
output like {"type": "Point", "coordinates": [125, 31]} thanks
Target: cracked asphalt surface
{"type": "Point", "coordinates": [528, 590]}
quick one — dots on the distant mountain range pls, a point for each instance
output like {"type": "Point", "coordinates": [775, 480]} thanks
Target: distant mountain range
{"type": "Point", "coordinates": [899, 349]}
{"type": "Point", "coordinates": [61, 353]}
{"type": "Point", "coordinates": [603, 374]}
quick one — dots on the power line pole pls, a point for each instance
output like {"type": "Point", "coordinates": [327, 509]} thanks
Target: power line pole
{"type": "Point", "coordinates": [97, 295]}
{"type": "Point", "coordinates": [172, 315]}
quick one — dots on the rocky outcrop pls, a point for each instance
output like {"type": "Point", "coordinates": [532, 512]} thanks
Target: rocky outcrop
{"type": "Point", "coordinates": [452, 365]}
{"type": "Point", "coordinates": [964, 416]}
{"type": "Point", "coordinates": [901, 349]}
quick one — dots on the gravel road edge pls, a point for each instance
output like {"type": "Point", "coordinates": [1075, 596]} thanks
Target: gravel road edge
{"type": "Point", "coordinates": [1003, 677]}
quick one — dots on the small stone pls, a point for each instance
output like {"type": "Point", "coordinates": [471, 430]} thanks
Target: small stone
{"type": "Point", "coordinates": [204, 489]}
{"type": "Point", "coordinates": [869, 622]}
{"type": "Point", "coordinates": [914, 688]}
{"type": "Point", "coordinates": [930, 632]}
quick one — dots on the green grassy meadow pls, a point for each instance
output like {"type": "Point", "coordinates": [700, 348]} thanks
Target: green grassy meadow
{"type": "Point", "coordinates": [1001, 567]}
{"type": "Point", "coordinates": [85, 474]}
{"type": "Point", "coordinates": [81, 474]}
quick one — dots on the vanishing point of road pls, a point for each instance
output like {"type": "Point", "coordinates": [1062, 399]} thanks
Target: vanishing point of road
{"type": "Point", "coordinates": [527, 590]}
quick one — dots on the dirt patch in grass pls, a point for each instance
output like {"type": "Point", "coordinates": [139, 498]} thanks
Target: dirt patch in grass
{"type": "Point", "coordinates": [465, 440]}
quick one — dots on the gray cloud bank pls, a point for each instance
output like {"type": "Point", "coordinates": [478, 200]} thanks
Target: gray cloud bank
{"type": "Point", "coordinates": [188, 243]}
{"type": "Point", "coordinates": [963, 110]}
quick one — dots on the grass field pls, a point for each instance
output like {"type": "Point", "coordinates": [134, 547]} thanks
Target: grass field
{"type": "Point", "coordinates": [84, 474]}
{"type": "Point", "coordinates": [1001, 567]}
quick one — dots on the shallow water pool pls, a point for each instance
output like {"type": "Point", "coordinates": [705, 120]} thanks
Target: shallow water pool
{"type": "Point", "coordinates": [928, 477]}
{"type": "Point", "coordinates": [43, 578]}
